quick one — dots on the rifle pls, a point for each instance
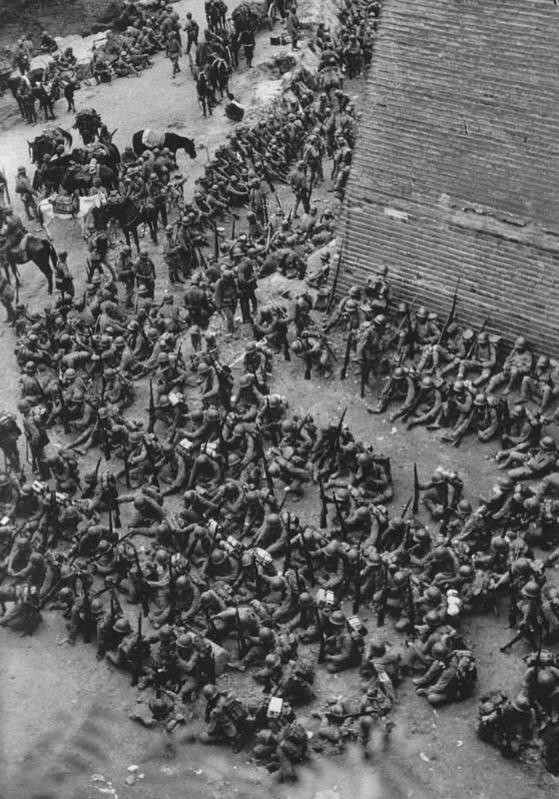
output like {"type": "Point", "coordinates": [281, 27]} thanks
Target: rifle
{"type": "Point", "coordinates": [513, 610]}
{"type": "Point", "coordinates": [87, 618]}
{"type": "Point", "coordinates": [475, 339]}
{"type": "Point", "coordinates": [323, 505]}
{"type": "Point", "coordinates": [152, 463]}
{"type": "Point", "coordinates": [341, 519]}
{"type": "Point", "coordinates": [138, 658]}
{"type": "Point", "coordinates": [357, 595]}
{"type": "Point", "coordinates": [415, 506]}
{"type": "Point", "coordinates": [225, 398]}
{"type": "Point", "coordinates": [216, 243]}
{"type": "Point", "coordinates": [241, 643]}
{"type": "Point", "coordinates": [337, 439]}
{"type": "Point", "coordinates": [126, 464]}
{"type": "Point", "coordinates": [106, 442]}
{"type": "Point", "coordinates": [411, 604]}
{"type": "Point", "coordinates": [172, 595]}
{"type": "Point", "coordinates": [151, 410]}
{"type": "Point", "coordinates": [381, 613]}
{"type": "Point", "coordinates": [287, 559]}
{"type": "Point", "coordinates": [364, 378]}
{"type": "Point", "coordinates": [64, 410]}
{"type": "Point", "coordinates": [349, 342]}
{"type": "Point", "coordinates": [308, 560]}
{"type": "Point", "coordinates": [322, 651]}
{"type": "Point", "coordinates": [269, 480]}
{"type": "Point", "coordinates": [308, 366]}
{"type": "Point", "coordinates": [334, 283]}
{"type": "Point", "coordinates": [451, 313]}
{"type": "Point", "coordinates": [141, 590]}
{"type": "Point", "coordinates": [87, 493]}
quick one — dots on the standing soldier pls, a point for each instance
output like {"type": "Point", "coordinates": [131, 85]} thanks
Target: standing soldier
{"type": "Point", "coordinates": [7, 298]}
{"type": "Point", "coordinates": [171, 255]}
{"type": "Point", "coordinates": [126, 274]}
{"type": "Point", "coordinates": [26, 192]}
{"type": "Point", "coordinates": [64, 281]}
{"type": "Point", "coordinates": [225, 298]}
{"type": "Point", "coordinates": [173, 51]}
{"type": "Point", "coordinates": [192, 28]}
{"type": "Point", "coordinates": [144, 269]}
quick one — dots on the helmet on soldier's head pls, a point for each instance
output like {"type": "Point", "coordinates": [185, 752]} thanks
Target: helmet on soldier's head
{"type": "Point", "coordinates": [433, 595]}
{"type": "Point", "coordinates": [29, 367]}
{"type": "Point", "coordinates": [332, 549]}
{"type": "Point", "coordinates": [547, 443]}
{"type": "Point", "coordinates": [122, 626]}
{"type": "Point", "coordinates": [531, 590]}
{"type": "Point", "coordinates": [421, 312]}
{"type": "Point", "coordinates": [166, 633]}
{"type": "Point", "coordinates": [185, 641]}
{"type": "Point", "coordinates": [427, 382]}
{"type": "Point", "coordinates": [440, 650]}
{"type": "Point", "coordinates": [465, 571]}
{"type": "Point", "coordinates": [337, 618]}
{"type": "Point", "coordinates": [277, 583]}
{"type": "Point", "coordinates": [379, 320]}
{"type": "Point", "coordinates": [520, 343]}
{"type": "Point", "coordinates": [266, 634]}
{"type": "Point", "coordinates": [363, 513]}
{"type": "Point", "coordinates": [499, 544]}
{"type": "Point", "coordinates": [543, 362]}
{"type": "Point", "coordinates": [377, 648]}
{"type": "Point", "coordinates": [398, 524]}
{"type": "Point", "coordinates": [400, 578]}
{"type": "Point", "coordinates": [522, 566]}
{"type": "Point", "coordinates": [480, 400]}
{"type": "Point", "coordinates": [305, 598]}
{"type": "Point", "coordinates": [432, 618]}
{"type": "Point", "coordinates": [521, 703]}
{"type": "Point", "coordinates": [96, 607]}
{"type": "Point", "coordinates": [483, 337]}
{"type": "Point", "coordinates": [210, 691]}
{"type": "Point", "coordinates": [212, 414]}
{"type": "Point", "coordinates": [354, 292]}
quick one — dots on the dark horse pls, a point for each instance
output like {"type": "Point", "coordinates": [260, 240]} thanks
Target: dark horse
{"type": "Point", "coordinates": [40, 251]}
{"type": "Point", "coordinates": [129, 217]}
{"type": "Point", "coordinates": [167, 139]}
{"type": "Point", "coordinates": [47, 142]}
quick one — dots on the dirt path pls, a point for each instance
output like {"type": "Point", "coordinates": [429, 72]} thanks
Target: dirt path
{"type": "Point", "coordinates": [64, 714]}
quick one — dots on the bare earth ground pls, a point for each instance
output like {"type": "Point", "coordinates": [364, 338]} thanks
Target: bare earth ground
{"type": "Point", "coordinates": [64, 715]}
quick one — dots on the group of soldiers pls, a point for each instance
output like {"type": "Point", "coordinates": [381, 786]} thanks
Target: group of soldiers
{"type": "Point", "coordinates": [176, 548]}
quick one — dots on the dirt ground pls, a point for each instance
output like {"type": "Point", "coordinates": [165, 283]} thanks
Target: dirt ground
{"type": "Point", "coordinates": [64, 730]}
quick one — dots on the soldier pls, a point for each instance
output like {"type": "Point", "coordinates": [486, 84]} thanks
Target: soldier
{"type": "Point", "coordinates": [516, 367]}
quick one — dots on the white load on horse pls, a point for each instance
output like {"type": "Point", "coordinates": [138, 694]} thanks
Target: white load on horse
{"type": "Point", "coordinates": [67, 206]}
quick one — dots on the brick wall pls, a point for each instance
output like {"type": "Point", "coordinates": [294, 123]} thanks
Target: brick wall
{"type": "Point", "coordinates": [456, 170]}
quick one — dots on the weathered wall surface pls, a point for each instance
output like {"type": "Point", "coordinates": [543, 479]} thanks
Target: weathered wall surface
{"type": "Point", "coordinates": [456, 171]}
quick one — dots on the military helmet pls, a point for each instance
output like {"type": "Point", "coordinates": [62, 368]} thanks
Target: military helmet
{"type": "Point", "coordinates": [337, 618]}
{"type": "Point", "coordinates": [122, 626]}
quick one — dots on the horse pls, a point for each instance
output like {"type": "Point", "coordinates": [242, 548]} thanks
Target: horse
{"type": "Point", "coordinates": [218, 74]}
{"type": "Point", "coordinates": [81, 178]}
{"type": "Point", "coordinates": [129, 217]}
{"type": "Point", "coordinates": [205, 92]}
{"type": "Point", "coordinates": [47, 142]}
{"type": "Point", "coordinates": [35, 249]}
{"type": "Point", "coordinates": [33, 77]}
{"type": "Point", "coordinates": [330, 79]}
{"type": "Point", "coordinates": [162, 139]}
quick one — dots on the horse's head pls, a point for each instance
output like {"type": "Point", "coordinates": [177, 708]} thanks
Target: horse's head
{"type": "Point", "coordinates": [189, 147]}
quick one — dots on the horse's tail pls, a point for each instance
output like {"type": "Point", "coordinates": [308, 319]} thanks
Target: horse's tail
{"type": "Point", "coordinates": [53, 255]}
{"type": "Point", "coordinates": [137, 142]}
